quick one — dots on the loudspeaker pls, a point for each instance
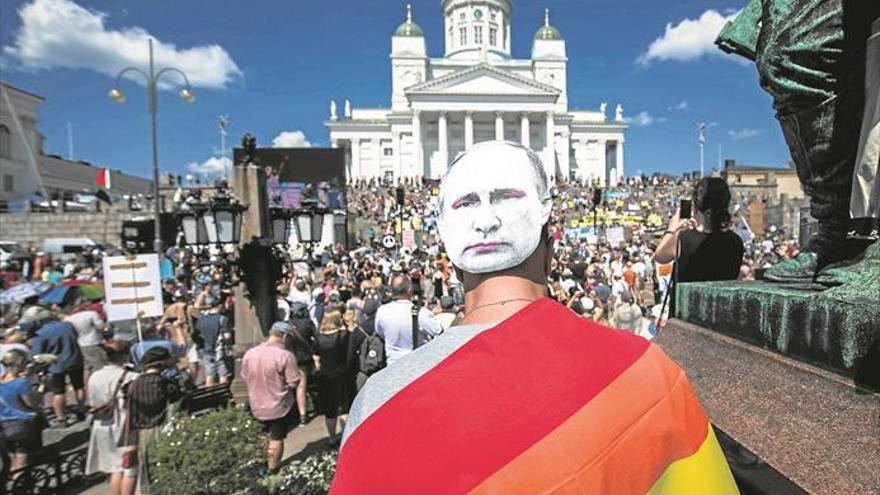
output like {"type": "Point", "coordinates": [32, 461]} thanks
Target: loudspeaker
{"type": "Point", "coordinates": [597, 196]}
{"type": "Point", "coordinates": [399, 194]}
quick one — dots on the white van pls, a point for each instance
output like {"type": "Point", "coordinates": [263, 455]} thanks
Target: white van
{"type": "Point", "coordinates": [62, 248]}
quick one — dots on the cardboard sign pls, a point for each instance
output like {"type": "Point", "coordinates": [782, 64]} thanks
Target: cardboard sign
{"type": "Point", "coordinates": [132, 287]}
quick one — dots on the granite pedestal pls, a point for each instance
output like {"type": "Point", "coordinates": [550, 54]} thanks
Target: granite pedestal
{"type": "Point", "coordinates": [837, 328]}
{"type": "Point", "coordinates": [813, 431]}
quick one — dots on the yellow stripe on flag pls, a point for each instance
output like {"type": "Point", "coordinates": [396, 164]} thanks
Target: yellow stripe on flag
{"type": "Point", "coordinates": [704, 472]}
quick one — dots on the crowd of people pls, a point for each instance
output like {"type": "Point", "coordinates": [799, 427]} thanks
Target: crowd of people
{"type": "Point", "coordinates": [342, 315]}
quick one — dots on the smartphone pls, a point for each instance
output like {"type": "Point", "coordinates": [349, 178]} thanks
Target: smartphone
{"type": "Point", "coordinates": [684, 208]}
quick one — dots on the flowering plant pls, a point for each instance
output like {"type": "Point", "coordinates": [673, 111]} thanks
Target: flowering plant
{"type": "Point", "coordinates": [221, 452]}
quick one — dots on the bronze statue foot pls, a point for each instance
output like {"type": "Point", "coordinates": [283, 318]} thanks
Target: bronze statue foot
{"type": "Point", "coordinates": [852, 271]}
{"type": "Point", "coordinates": [800, 269]}
{"type": "Point", "coordinates": [823, 251]}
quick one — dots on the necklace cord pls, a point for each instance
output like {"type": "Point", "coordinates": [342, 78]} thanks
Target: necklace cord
{"type": "Point", "coordinates": [500, 303]}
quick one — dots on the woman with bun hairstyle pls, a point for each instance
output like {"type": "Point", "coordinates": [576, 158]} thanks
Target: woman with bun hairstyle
{"type": "Point", "coordinates": [703, 247]}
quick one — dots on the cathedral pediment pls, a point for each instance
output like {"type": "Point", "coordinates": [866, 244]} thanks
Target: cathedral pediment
{"type": "Point", "coordinates": [483, 79]}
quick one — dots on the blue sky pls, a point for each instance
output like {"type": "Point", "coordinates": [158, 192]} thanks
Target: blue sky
{"type": "Point", "coordinates": [273, 66]}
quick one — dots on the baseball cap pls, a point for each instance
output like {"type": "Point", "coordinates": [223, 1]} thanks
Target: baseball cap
{"type": "Point", "coordinates": [282, 327]}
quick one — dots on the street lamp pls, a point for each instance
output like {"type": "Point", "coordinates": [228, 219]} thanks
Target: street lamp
{"type": "Point", "coordinates": [216, 222]}
{"type": "Point", "coordinates": [309, 225]}
{"type": "Point", "coordinates": [152, 77]}
{"type": "Point", "coordinates": [282, 221]}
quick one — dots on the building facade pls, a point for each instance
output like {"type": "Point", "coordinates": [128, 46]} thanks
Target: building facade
{"type": "Point", "coordinates": [26, 170]}
{"type": "Point", "coordinates": [477, 92]}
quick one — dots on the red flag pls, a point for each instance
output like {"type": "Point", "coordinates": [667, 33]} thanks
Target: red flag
{"type": "Point", "coordinates": [103, 179]}
{"type": "Point", "coordinates": [102, 184]}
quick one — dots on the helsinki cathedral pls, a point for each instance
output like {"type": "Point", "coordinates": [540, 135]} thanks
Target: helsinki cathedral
{"type": "Point", "coordinates": [477, 92]}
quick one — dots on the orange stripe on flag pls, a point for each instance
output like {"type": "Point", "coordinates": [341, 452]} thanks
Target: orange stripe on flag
{"type": "Point", "coordinates": [620, 442]}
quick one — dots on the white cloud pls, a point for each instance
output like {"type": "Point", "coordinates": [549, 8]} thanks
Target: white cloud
{"type": "Point", "coordinates": [212, 166]}
{"type": "Point", "coordinates": [688, 40]}
{"type": "Point", "coordinates": [642, 119]}
{"type": "Point", "coordinates": [60, 33]}
{"type": "Point", "coordinates": [291, 139]}
{"type": "Point", "coordinates": [678, 107]}
{"type": "Point", "coordinates": [745, 133]}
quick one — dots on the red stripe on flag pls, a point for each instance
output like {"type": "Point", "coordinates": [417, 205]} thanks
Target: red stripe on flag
{"type": "Point", "coordinates": [485, 404]}
{"type": "Point", "coordinates": [101, 179]}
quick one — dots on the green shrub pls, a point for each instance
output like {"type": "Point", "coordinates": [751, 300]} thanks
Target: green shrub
{"type": "Point", "coordinates": [221, 452]}
{"type": "Point", "coordinates": [311, 476]}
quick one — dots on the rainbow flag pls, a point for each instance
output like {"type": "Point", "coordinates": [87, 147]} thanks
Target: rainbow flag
{"type": "Point", "coordinates": [545, 402]}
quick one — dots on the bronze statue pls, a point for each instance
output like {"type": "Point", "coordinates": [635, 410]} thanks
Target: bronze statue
{"type": "Point", "coordinates": [249, 148]}
{"type": "Point", "coordinates": [811, 58]}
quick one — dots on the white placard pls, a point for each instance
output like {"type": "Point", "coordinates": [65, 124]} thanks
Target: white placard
{"type": "Point", "coordinates": [615, 236]}
{"type": "Point", "coordinates": [132, 287]}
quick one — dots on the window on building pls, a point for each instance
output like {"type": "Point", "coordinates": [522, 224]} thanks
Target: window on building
{"type": "Point", "coordinates": [5, 142]}
{"type": "Point", "coordinates": [478, 35]}
{"type": "Point", "coordinates": [451, 37]}
{"type": "Point", "coordinates": [388, 152]}
{"type": "Point", "coordinates": [462, 36]}
{"type": "Point", "coordinates": [493, 36]}
{"type": "Point", "coordinates": [493, 14]}
{"type": "Point", "coordinates": [8, 182]}
{"type": "Point", "coordinates": [461, 16]}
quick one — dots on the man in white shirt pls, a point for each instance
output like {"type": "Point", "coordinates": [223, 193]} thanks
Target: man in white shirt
{"type": "Point", "coordinates": [394, 321]}
{"type": "Point", "coordinates": [299, 292]}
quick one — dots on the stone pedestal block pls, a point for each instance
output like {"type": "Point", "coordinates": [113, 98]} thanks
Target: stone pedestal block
{"type": "Point", "coordinates": [838, 328]}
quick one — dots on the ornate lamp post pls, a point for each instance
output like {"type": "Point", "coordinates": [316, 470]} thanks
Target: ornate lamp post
{"type": "Point", "coordinates": [281, 225]}
{"type": "Point", "coordinates": [216, 222]}
{"type": "Point", "coordinates": [152, 77]}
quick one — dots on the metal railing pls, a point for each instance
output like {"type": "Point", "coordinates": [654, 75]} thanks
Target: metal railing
{"type": "Point", "coordinates": [48, 475]}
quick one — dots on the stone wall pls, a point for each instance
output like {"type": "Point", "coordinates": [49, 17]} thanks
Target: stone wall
{"type": "Point", "coordinates": [27, 228]}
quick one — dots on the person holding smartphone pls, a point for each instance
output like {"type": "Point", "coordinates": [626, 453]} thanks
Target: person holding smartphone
{"type": "Point", "coordinates": [699, 238]}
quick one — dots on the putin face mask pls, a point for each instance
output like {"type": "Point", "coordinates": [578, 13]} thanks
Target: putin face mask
{"type": "Point", "coordinates": [491, 215]}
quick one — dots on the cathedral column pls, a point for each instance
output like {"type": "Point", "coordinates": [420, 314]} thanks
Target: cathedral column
{"type": "Point", "coordinates": [356, 170]}
{"type": "Point", "coordinates": [397, 144]}
{"type": "Point", "coordinates": [619, 159]}
{"type": "Point", "coordinates": [549, 153]}
{"type": "Point", "coordinates": [468, 130]}
{"type": "Point", "coordinates": [499, 126]}
{"type": "Point", "coordinates": [417, 142]}
{"type": "Point", "coordinates": [565, 162]}
{"type": "Point", "coordinates": [443, 143]}
{"type": "Point", "coordinates": [377, 157]}
{"type": "Point", "coordinates": [524, 129]}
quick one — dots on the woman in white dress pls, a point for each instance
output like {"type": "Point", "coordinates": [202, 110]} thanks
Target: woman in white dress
{"type": "Point", "coordinates": [106, 387]}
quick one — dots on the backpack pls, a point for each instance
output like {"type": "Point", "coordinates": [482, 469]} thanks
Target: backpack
{"type": "Point", "coordinates": [371, 353]}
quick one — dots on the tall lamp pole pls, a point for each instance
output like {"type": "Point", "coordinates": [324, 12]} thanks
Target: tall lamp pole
{"type": "Point", "coordinates": [701, 129]}
{"type": "Point", "coordinates": [152, 78]}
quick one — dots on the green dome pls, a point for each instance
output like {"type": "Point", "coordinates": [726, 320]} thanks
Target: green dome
{"type": "Point", "coordinates": [548, 32]}
{"type": "Point", "coordinates": [409, 28]}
